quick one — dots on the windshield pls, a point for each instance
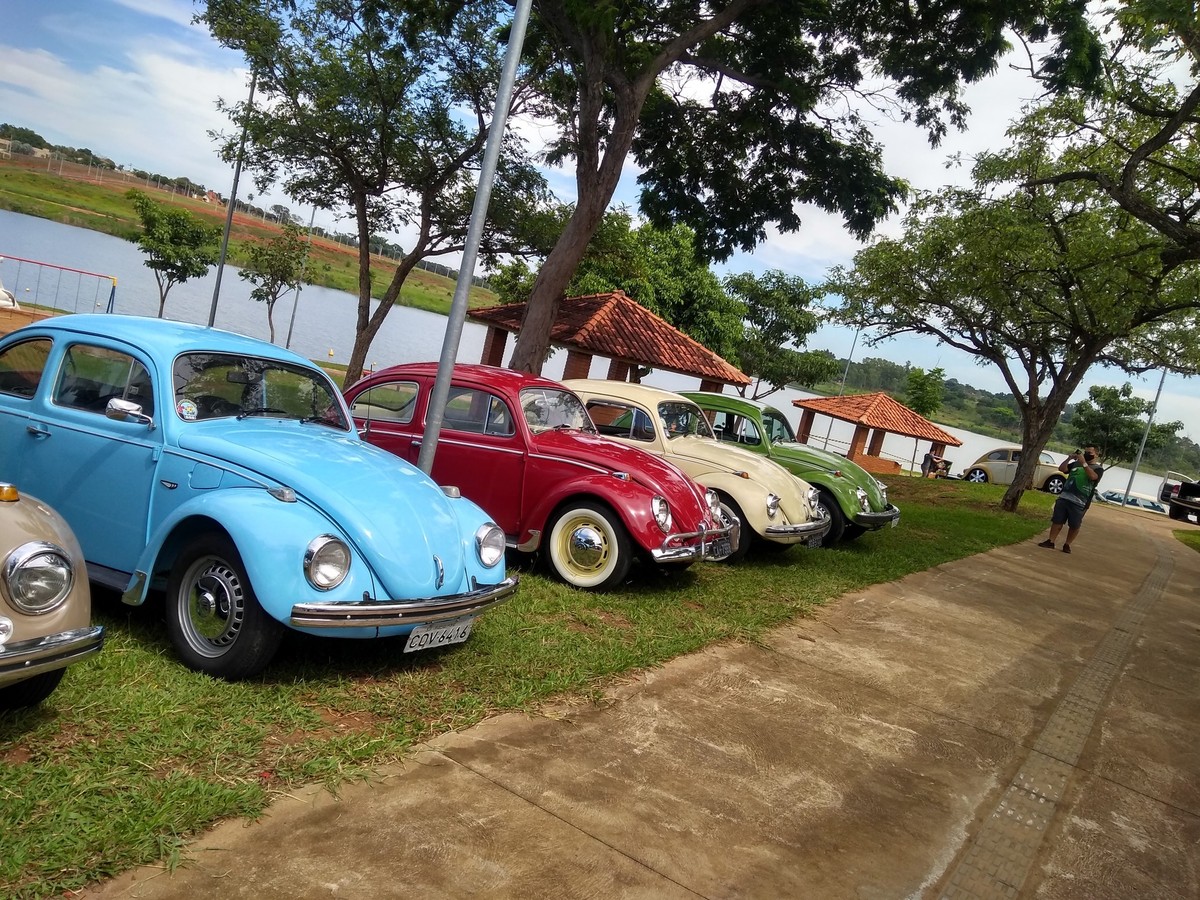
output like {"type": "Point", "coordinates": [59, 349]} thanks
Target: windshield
{"type": "Point", "coordinates": [224, 385]}
{"type": "Point", "coordinates": [777, 427]}
{"type": "Point", "coordinates": [684, 418]}
{"type": "Point", "coordinates": [546, 408]}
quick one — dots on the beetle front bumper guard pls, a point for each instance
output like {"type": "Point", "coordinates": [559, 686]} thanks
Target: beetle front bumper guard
{"type": "Point", "coordinates": [389, 613]}
{"type": "Point", "coordinates": [873, 520]}
{"type": "Point", "coordinates": [20, 659]}
{"type": "Point", "coordinates": [669, 552]}
{"type": "Point", "coordinates": [814, 529]}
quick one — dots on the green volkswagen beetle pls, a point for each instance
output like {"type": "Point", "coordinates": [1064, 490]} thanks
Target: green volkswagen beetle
{"type": "Point", "coordinates": [854, 501]}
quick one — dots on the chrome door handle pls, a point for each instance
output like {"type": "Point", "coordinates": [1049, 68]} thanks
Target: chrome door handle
{"type": "Point", "coordinates": [38, 430]}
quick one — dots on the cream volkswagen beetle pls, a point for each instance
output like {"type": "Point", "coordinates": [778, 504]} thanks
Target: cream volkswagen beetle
{"type": "Point", "coordinates": [769, 502]}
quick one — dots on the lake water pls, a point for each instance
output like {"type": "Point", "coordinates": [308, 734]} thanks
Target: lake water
{"type": "Point", "coordinates": [324, 325]}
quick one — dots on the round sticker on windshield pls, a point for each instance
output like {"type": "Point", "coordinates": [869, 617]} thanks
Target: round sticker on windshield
{"type": "Point", "coordinates": [187, 409]}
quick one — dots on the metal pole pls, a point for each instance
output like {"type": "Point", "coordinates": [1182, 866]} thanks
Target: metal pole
{"type": "Point", "coordinates": [842, 388]}
{"type": "Point", "coordinates": [237, 172]}
{"type": "Point", "coordinates": [1145, 434]}
{"type": "Point", "coordinates": [458, 306]}
{"type": "Point", "coordinates": [296, 300]}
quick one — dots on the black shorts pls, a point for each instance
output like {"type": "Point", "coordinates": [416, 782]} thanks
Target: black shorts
{"type": "Point", "coordinates": [1067, 513]}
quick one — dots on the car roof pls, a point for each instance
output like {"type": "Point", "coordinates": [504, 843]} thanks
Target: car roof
{"type": "Point", "coordinates": [161, 338]}
{"type": "Point", "coordinates": [638, 393]}
{"type": "Point", "coordinates": [494, 375]}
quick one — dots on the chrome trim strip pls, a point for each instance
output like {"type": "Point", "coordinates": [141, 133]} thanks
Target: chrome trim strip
{"type": "Point", "coordinates": [815, 528]}
{"type": "Point", "coordinates": [53, 651]}
{"type": "Point", "coordinates": [385, 613]}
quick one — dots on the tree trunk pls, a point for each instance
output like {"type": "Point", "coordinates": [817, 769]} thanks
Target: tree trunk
{"type": "Point", "coordinates": [362, 336]}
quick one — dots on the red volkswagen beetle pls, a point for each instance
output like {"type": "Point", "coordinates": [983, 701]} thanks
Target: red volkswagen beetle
{"type": "Point", "coordinates": [524, 448]}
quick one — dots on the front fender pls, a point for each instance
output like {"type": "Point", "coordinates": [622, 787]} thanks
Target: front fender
{"type": "Point", "coordinates": [271, 537]}
{"type": "Point", "coordinates": [747, 493]}
{"type": "Point", "coordinates": [629, 499]}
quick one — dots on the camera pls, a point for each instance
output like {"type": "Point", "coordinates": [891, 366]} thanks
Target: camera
{"type": "Point", "coordinates": [1076, 451]}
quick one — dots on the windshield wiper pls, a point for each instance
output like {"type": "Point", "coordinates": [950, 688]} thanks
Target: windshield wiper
{"type": "Point", "coordinates": [260, 411]}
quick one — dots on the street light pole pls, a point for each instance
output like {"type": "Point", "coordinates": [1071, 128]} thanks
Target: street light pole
{"type": "Point", "coordinates": [237, 172]}
{"type": "Point", "coordinates": [1145, 434]}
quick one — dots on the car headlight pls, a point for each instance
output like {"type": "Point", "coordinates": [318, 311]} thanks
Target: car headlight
{"type": "Point", "coordinates": [814, 499]}
{"type": "Point", "coordinates": [38, 577]}
{"type": "Point", "coordinates": [713, 502]}
{"type": "Point", "coordinates": [489, 544]}
{"type": "Point", "coordinates": [772, 505]}
{"type": "Point", "coordinates": [662, 513]}
{"type": "Point", "coordinates": [326, 562]}
{"type": "Point", "coordinates": [864, 502]}
{"type": "Point", "coordinates": [882, 489]}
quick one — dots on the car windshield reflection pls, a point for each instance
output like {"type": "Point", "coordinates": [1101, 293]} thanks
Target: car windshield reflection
{"type": "Point", "coordinates": [221, 385]}
{"type": "Point", "coordinates": [680, 419]}
{"type": "Point", "coordinates": [547, 409]}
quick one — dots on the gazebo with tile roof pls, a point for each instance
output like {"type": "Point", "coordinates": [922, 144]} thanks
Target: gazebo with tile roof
{"type": "Point", "coordinates": [878, 412]}
{"type": "Point", "coordinates": [618, 328]}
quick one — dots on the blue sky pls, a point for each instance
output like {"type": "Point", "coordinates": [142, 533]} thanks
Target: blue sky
{"type": "Point", "coordinates": [135, 81]}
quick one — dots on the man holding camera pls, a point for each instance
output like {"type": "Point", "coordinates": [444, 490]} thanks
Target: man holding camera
{"type": "Point", "coordinates": [1083, 471]}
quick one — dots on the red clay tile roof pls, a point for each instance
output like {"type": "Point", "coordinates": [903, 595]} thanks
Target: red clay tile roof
{"type": "Point", "coordinates": [879, 411]}
{"type": "Point", "coordinates": [616, 327]}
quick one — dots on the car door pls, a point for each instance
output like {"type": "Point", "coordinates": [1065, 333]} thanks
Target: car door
{"type": "Point", "coordinates": [482, 453]}
{"type": "Point", "coordinates": [386, 414]}
{"type": "Point", "coordinates": [74, 455]}
{"type": "Point", "coordinates": [22, 369]}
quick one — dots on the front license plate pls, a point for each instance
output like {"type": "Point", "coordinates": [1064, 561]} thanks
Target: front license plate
{"type": "Point", "coordinates": [426, 637]}
{"type": "Point", "coordinates": [719, 548]}
{"type": "Point", "coordinates": [895, 522]}
{"type": "Point", "coordinates": [813, 542]}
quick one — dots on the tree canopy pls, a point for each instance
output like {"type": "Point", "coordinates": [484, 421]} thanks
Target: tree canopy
{"type": "Point", "coordinates": [381, 109]}
{"type": "Point", "coordinates": [741, 111]}
{"type": "Point", "coordinates": [178, 245]}
{"type": "Point", "coordinates": [1112, 419]}
{"type": "Point", "coordinates": [275, 267]}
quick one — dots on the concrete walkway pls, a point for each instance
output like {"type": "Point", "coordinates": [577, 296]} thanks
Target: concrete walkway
{"type": "Point", "coordinates": [1019, 724]}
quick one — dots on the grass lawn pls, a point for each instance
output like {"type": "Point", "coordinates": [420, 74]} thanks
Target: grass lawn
{"type": "Point", "coordinates": [133, 753]}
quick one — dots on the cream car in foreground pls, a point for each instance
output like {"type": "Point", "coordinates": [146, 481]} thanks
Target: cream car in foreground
{"type": "Point", "coordinates": [767, 501]}
{"type": "Point", "coordinates": [45, 603]}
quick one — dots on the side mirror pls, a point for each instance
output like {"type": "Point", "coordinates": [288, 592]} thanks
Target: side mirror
{"type": "Point", "coordinates": [126, 410]}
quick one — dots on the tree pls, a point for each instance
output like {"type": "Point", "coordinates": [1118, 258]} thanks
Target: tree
{"type": "Point", "coordinates": [656, 268]}
{"type": "Point", "coordinates": [1040, 282]}
{"type": "Point", "coordinates": [1111, 419]}
{"type": "Point", "coordinates": [1133, 142]}
{"type": "Point", "coordinates": [275, 267]}
{"type": "Point", "coordinates": [739, 112]}
{"type": "Point", "coordinates": [776, 313]}
{"type": "Point", "coordinates": [178, 245]}
{"type": "Point", "coordinates": [382, 109]}
{"type": "Point", "coordinates": [924, 391]}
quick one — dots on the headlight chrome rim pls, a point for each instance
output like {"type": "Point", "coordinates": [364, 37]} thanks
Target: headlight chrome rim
{"type": "Point", "coordinates": [662, 513]}
{"type": "Point", "coordinates": [489, 544]}
{"type": "Point", "coordinates": [326, 562]}
{"type": "Point", "coordinates": [40, 590]}
{"type": "Point", "coordinates": [864, 500]}
{"type": "Point", "coordinates": [772, 505]}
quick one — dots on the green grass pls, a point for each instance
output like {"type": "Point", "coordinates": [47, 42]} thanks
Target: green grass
{"type": "Point", "coordinates": [133, 754]}
{"type": "Point", "coordinates": [1189, 538]}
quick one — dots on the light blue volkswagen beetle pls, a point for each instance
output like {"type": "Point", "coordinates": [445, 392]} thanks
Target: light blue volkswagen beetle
{"type": "Point", "coordinates": [229, 472]}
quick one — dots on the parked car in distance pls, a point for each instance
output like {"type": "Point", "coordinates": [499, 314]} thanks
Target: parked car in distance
{"type": "Point", "coordinates": [229, 471]}
{"type": "Point", "coordinates": [1135, 500]}
{"type": "Point", "coordinates": [45, 603]}
{"type": "Point", "coordinates": [999, 466]}
{"type": "Point", "coordinates": [524, 449]}
{"type": "Point", "coordinates": [849, 495]}
{"type": "Point", "coordinates": [766, 500]}
{"type": "Point", "coordinates": [1181, 495]}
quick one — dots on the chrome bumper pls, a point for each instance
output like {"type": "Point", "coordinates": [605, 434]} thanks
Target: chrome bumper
{"type": "Point", "coordinates": [699, 550]}
{"type": "Point", "coordinates": [816, 528]}
{"type": "Point", "coordinates": [872, 520]}
{"type": "Point", "coordinates": [21, 659]}
{"type": "Point", "coordinates": [388, 613]}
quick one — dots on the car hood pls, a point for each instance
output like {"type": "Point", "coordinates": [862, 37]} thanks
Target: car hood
{"type": "Point", "coordinates": [654, 472]}
{"type": "Point", "coordinates": [397, 516]}
{"type": "Point", "coordinates": [831, 462]}
{"type": "Point", "coordinates": [725, 457]}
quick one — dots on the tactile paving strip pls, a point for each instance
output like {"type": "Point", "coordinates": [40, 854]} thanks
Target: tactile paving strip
{"type": "Point", "coordinates": [1001, 854]}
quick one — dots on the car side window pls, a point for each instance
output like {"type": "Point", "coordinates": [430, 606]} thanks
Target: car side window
{"type": "Point", "coordinates": [22, 365]}
{"type": "Point", "coordinates": [723, 425]}
{"type": "Point", "coordinates": [391, 402]}
{"type": "Point", "coordinates": [91, 376]}
{"type": "Point", "coordinates": [620, 420]}
{"type": "Point", "coordinates": [747, 432]}
{"type": "Point", "coordinates": [478, 412]}
{"type": "Point", "coordinates": [998, 456]}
